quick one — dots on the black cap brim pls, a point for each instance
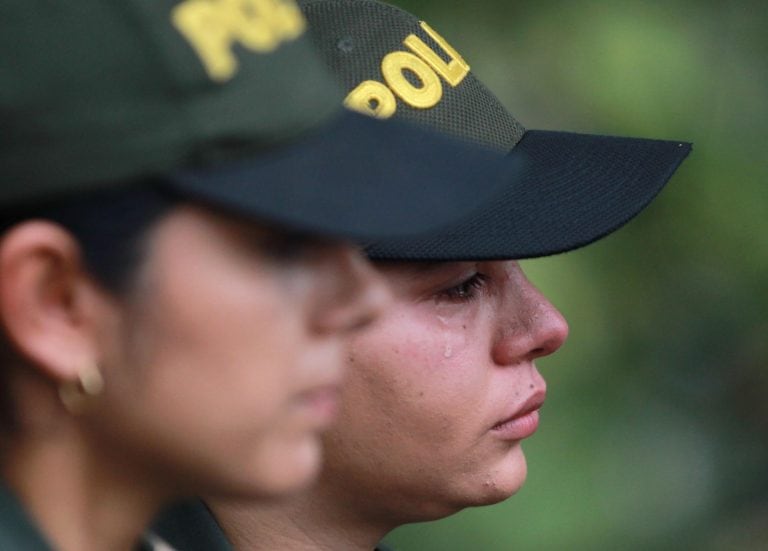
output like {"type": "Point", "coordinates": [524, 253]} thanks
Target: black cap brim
{"type": "Point", "coordinates": [576, 188]}
{"type": "Point", "coordinates": [359, 178]}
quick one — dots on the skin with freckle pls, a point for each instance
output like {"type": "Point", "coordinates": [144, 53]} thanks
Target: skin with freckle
{"type": "Point", "coordinates": [430, 381]}
{"type": "Point", "coordinates": [440, 392]}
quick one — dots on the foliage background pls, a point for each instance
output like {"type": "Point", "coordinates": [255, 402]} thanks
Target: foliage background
{"type": "Point", "coordinates": [655, 431]}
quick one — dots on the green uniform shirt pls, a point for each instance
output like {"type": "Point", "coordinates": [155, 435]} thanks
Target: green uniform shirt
{"type": "Point", "coordinates": [190, 526]}
{"type": "Point", "coordinates": [17, 531]}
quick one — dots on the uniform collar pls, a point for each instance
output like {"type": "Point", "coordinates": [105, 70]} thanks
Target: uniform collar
{"type": "Point", "coordinates": [190, 526]}
{"type": "Point", "coordinates": [17, 530]}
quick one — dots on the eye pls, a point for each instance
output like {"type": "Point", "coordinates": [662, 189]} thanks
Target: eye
{"type": "Point", "coordinates": [466, 290]}
{"type": "Point", "coordinates": [288, 247]}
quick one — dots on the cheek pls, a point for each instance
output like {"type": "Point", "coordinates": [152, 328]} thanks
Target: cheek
{"type": "Point", "coordinates": [231, 316]}
{"type": "Point", "coordinates": [203, 384]}
{"type": "Point", "coordinates": [237, 347]}
{"type": "Point", "coordinates": [415, 383]}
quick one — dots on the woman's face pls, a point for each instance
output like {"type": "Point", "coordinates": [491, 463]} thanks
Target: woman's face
{"type": "Point", "coordinates": [441, 391]}
{"type": "Point", "coordinates": [224, 363]}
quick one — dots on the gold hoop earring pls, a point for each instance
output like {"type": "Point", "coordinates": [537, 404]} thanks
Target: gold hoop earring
{"type": "Point", "coordinates": [76, 395]}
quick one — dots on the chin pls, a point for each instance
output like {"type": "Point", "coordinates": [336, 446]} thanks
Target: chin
{"type": "Point", "coordinates": [499, 493]}
{"type": "Point", "coordinates": [486, 486]}
{"type": "Point", "coordinates": [283, 469]}
{"type": "Point", "coordinates": [502, 481]}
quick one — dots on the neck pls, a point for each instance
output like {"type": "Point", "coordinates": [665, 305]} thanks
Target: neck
{"type": "Point", "coordinates": [78, 496]}
{"type": "Point", "coordinates": [311, 521]}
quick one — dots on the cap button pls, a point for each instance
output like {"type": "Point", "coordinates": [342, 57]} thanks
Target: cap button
{"type": "Point", "coordinates": [346, 44]}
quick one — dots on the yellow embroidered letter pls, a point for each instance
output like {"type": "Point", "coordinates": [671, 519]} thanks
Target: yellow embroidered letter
{"type": "Point", "coordinates": [372, 98]}
{"type": "Point", "coordinates": [424, 96]}
{"type": "Point", "coordinates": [454, 71]}
{"type": "Point", "coordinates": [212, 26]}
{"type": "Point", "coordinates": [262, 25]}
{"type": "Point", "coordinates": [200, 23]}
{"type": "Point", "coordinates": [288, 19]}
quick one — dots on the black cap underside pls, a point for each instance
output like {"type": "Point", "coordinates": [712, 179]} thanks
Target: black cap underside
{"type": "Point", "coordinates": [358, 178]}
{"type": "Point", "coordinates": [576, 188]}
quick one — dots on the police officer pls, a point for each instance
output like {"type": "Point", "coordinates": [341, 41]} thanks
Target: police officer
{"type": "Point", "coordinates": [177, 178]}
{"type": "Point", "coordinates": [443, 389]}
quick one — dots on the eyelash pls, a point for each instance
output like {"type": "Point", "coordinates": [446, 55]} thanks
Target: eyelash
{"type": "Point", "coordinates": [465, 291]}
{"type": "Point", "coordinates": [288, 247]}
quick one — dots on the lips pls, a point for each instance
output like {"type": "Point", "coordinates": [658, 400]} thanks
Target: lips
{"type": "Point", "coordinates": [523, 422]}
{"type": "Point", "coordinates": [322, 403]}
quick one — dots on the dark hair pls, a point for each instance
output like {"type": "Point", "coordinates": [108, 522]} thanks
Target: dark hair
{"type": "Point", "coordinates": [109, 224]}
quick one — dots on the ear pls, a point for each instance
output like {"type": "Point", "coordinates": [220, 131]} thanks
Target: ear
{"type": "Point", "coordinates": [47, 300]}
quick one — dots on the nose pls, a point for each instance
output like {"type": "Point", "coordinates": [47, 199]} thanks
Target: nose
{"type": "Point", "coordinates": [534, 328]}
{"type": "Point", "coordinates": [356, 295]}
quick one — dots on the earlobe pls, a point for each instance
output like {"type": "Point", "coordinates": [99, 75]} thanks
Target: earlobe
{"type": "Point", "coordinates": [42, 305]}
{"type": "Point", "coordinates": [76, 396]}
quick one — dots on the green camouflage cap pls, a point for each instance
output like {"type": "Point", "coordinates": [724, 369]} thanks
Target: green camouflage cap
{"type": "Point", "coordinates": [110, 90]}
{"type": "Point", "coordinates": [228, 100]}
{"type": "Point", "coordinates": [575, 189]}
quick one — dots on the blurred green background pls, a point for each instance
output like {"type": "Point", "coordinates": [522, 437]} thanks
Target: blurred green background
{"type": "Point", "coordinates": [655, 431]}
